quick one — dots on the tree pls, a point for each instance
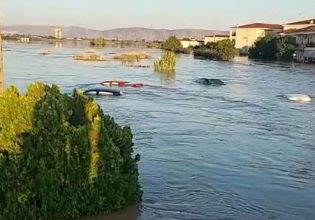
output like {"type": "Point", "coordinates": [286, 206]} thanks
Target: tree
{"type": "Point", "coordinates": [98, 42]}
{"type": "Point", "coordinates": [1, 67]}
{"type": "Point", "coordinates": [172, 44]}
{"type": "Point", "coordinates": [285, 48]}
{"type": "Point", "coordinates": [61, 157]}
{"type": "Point", "coordinates": [225, 50]}
{"type": "Point", "coordinates": [222, 50]}
{"type": "Point", "coordinates": [272, 47]}
{"type": "Point", "coordinates": [264, 48]}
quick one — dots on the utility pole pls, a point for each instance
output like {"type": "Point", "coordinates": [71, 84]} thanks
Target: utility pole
{"type": "Point", "coordinates": [1, 66]}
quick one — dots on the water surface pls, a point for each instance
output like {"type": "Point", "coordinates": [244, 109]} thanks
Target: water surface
{"type": "Point", "coordinates": [234, 152]}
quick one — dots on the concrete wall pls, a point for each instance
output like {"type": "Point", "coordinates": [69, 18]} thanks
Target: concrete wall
{"type": "Point", "coordinates": [246, 37]}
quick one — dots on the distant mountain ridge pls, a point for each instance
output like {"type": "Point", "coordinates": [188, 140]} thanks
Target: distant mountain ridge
{"type": "Point", "coordinates": [132, 33]}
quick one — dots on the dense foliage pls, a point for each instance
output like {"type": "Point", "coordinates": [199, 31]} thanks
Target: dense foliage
{"type": "Point", "coordinates": [221, 50]}
{"type": "Point", "coordinates": [61, 157]}
{"type": "Point", "coordinates": [272, 47]}
{"type": "Point", "coordinates": [166, 63]}
{"type": "Point", "coordinates": [98, 42]}
{"type": "Point", "coordinates": [172, 44]}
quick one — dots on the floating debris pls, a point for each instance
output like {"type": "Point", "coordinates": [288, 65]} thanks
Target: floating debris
{"type": "Point", "coordinates": [45, 52]}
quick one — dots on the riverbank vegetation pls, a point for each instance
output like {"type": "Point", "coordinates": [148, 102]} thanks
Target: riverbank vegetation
{"type": "Point", "coordinates": [89, 56]}
{"type": "Point", "coordinates": [222, 50]}
{"type": "Point", "coordinates": [166, 63]}
{"type": "Point", "coordinates": [98, 42]}
{"type": "Point", "coordinates": [132, 57]}
{"type": "Point", "coordinates": [154, 45]}
{"type": "Point", "coordinates": [62, 158]}
{"type": "Point", "coordinates": [172, 44]}
{"type": "Point", "coordinates": [272, 47]}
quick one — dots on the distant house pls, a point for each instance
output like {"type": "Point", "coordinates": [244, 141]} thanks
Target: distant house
{"type": "Point", "coordinates": [215, 38]}
{"type": "Point", "coordinates": [24, 39]}
{"type": "Point", "coordinates": [299, 24]}
{"type": "Point", "coordinates": [305, 40]}
{"type": "Point", "coordinates": [186, 42]}
{"type": "Point", "coordinates": [246, 35]}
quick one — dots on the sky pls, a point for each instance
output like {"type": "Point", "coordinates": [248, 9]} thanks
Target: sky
{"type": "Point", "coordinates": [170, 14]}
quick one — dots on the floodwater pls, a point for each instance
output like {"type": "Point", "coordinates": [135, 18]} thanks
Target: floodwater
{"type": "Point", "coordinates": [234, 152]}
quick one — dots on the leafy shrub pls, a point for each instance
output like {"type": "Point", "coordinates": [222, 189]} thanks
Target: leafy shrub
{"type": "Point", "coordinates": [172, 44]}
{"type": "Point", "coordinates": [166, 63]}
{"type": "Point", "coordinates": [61, 157]}
{"type": "Point", "coordinates": [185, 50]}
{"type": "Point", "coordinates": [221, 50]}
{"type": "Point", "coordinates": [98, 42]}
{"type": "Point", "coordinates": [154, 45]}
{"type": "Point", "coordinates": [272, 47]}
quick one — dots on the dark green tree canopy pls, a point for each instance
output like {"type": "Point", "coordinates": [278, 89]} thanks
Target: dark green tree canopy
{"type": "Point", "coordinates": [272, 47]}
{"type": "Point", "coordinates": [62, 158]}
{"type": "Point", "coordinates": [98, 42]}
{"type": "Point", "coordinates": [172, 44]}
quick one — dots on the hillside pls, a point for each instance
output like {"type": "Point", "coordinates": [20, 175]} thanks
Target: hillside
{"type": "Point", "coordinates": [133, 33]}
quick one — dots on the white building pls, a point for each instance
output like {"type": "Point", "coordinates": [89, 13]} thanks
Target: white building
{"type": "Point", "coordinates": [305, 40]}
{"type": "Point", "coordinates": [216, 38]}
{"type": "Point", "coordinates": [299, 24]}
{"type": "Point", "coordinates": [58, 33]}
{"type": "Point", "coordinates": [246, 35]}
{"type": "Point", "coordinates": [186, 43]}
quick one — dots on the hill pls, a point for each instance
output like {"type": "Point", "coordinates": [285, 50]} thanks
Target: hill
{"type": "Point", "coordinates": [133, 33]}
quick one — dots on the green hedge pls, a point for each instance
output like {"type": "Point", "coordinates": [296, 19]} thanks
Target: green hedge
{"type": "Point", "coordinates": [222, 50]}
{"type": "Point", "coordinates": [62, 158]}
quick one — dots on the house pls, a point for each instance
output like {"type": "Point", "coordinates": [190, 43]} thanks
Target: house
{"type": "Point", "coordinates": [216, 38]}
{"type": "Point", "coordinates": [299, 24]}
{"type": "Point", "coordinates": [246, 35]}
{"type": "Point", "coordinates": [186, 42]}
{"type": "Point", "coordinates": [305, 40]}
{"type": "Point", "coordinates": [24, 39]}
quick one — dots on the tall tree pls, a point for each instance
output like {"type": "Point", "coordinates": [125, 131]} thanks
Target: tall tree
{"type": "Point", "coordinates": [1, 66]}
{"type": "Point", "coordinates": [172, 44]}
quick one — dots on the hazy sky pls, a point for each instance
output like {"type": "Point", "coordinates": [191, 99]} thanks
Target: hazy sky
{"type": "Point", "coordinates": [106, 14]}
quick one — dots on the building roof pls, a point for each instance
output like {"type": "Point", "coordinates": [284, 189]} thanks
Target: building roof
{"type": "Point", "coordinates": [309, 21]}
{"type": "Point", "coordinates": [261, 25]}
{"type": "Point", "coordinates": [307, 30]}
{"type": "Point", "coordinates": [218, 35]}
{"type": "Point", "coordinates": [188, 39]}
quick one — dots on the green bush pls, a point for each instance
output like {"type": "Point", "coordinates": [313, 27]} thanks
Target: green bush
{"type": "Point", "coordinates": [98, 42]}
{"type": "Point", "coordinates": [62, 158]}
{"type": "Point", "coordinates": [221, 50]}
{"type": "Point", "coordinates": [166, 63]}
{"type": "Point", "coordinates": [172, 44]}
{"type": "Point", "coordinates": [272, 47]}
{"type": "Point", "coordinates": [264, 48]}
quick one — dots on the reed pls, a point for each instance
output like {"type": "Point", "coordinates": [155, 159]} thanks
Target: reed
{"type": "Point", "coordinates": [166, 63]}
